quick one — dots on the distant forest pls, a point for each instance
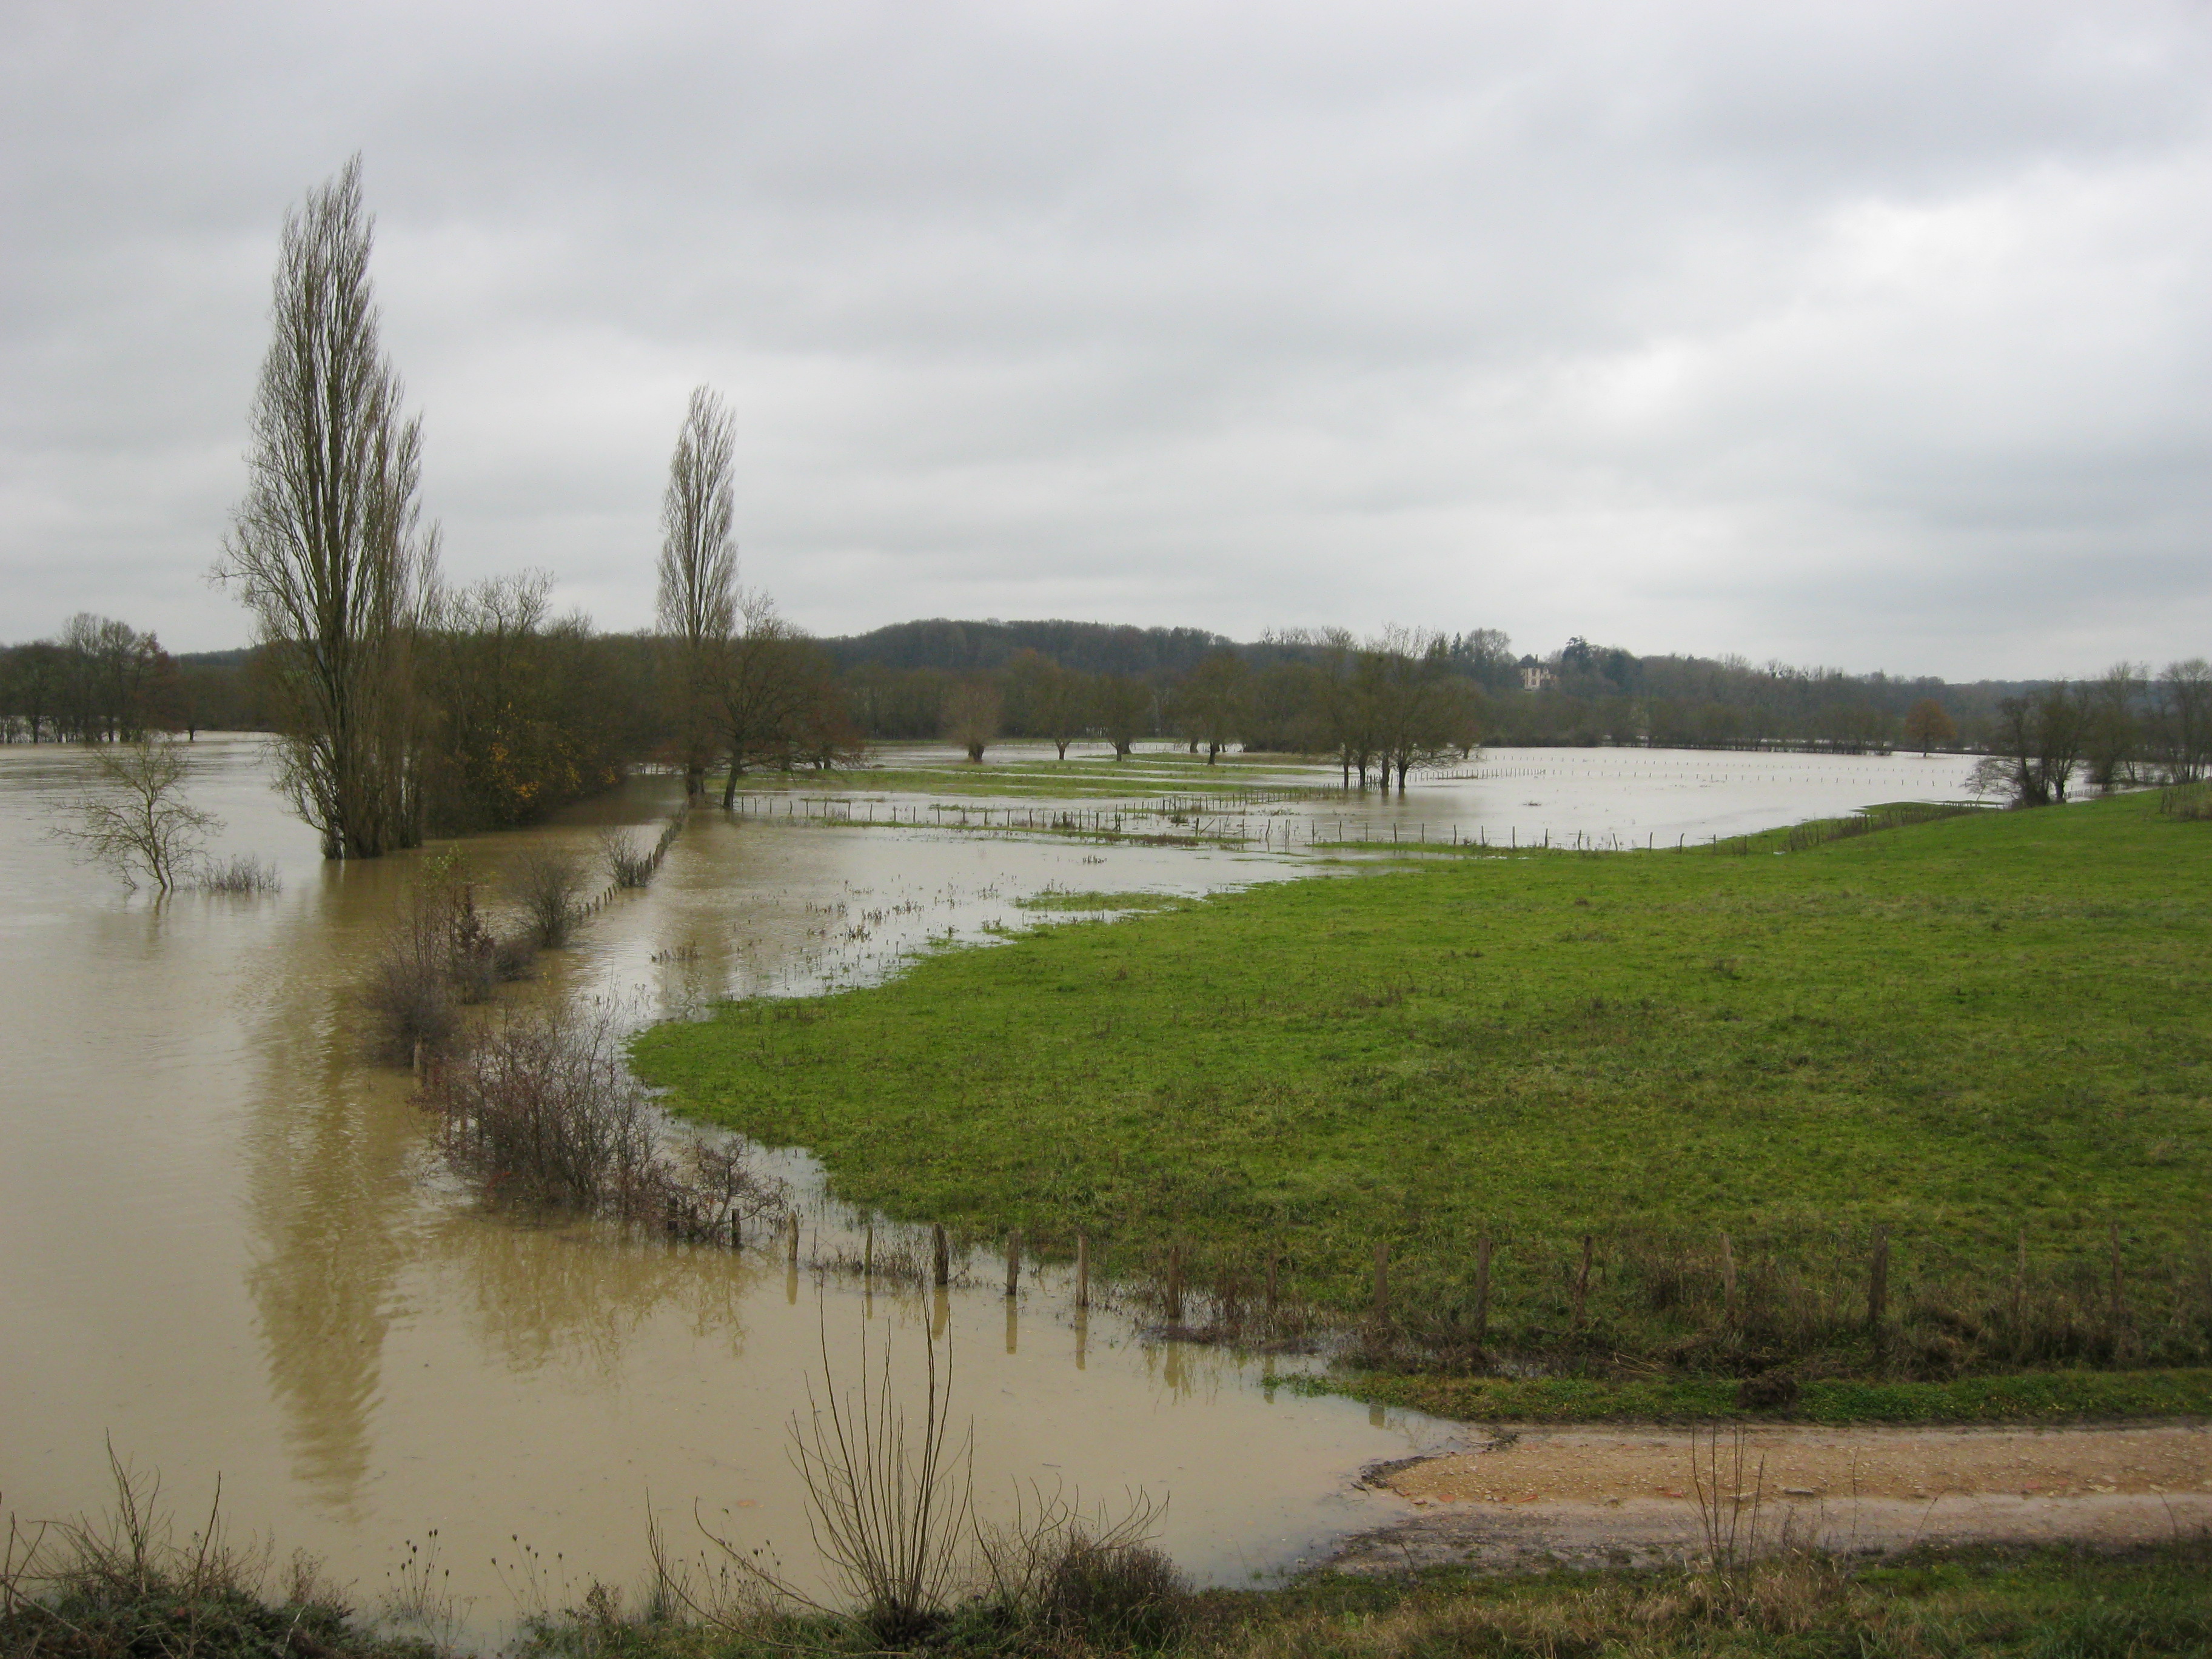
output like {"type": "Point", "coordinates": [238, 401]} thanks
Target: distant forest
{"type": "Point", "coordinates": [919, 680]}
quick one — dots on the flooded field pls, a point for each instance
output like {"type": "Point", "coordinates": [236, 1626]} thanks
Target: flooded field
{"type": "Point", "coordinates": [229, 1250]}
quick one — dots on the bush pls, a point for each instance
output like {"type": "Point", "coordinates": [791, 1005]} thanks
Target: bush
{"type": "Point", "coordinates": [241, 873]}
{"type": "Point", "coordinates": [627, 866]}
{"type": "Point", "coordinates": [541, 1108]}
{"type": "Point", "coordinates": [546, 883]}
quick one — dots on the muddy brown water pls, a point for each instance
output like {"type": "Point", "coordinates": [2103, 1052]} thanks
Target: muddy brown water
{"type": "Point", "coordinates": [228, 1251]}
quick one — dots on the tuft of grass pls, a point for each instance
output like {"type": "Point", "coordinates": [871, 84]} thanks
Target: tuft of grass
{"type": "Point", "coordinates": [1957, 1032]}
{"type": "Point", "coordinates": [129, 1583]}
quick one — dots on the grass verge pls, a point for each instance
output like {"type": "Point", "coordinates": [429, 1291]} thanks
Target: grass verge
{"type": "Point", "coordinates": [2043, 1602]}
{"type": "Point", "coordinates": [2030, 1397]}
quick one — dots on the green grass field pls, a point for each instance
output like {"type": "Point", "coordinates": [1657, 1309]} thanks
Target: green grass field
{"type": "Point", "coordinates": [1964, 1032]}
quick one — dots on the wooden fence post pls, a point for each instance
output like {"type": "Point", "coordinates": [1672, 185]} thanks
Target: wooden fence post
{"type": "Point", "coordinates": [1482, 1290]}
{"type": "Point", "coordinates": [1727, 1278]}
{"type": "Point", "coordinates": [1014, 1262]}
{"type": "Point", "coordinates": [868, 1252]}
{"type": "Point", "coordinates": [1582, 1282]}
{"type": "Point", "coordinates": [1175, 1284]}
{"type": "Point", "coordinates": [942, 1262]}
{"type": "Point", "coordinates": [1082, 1269]}
{"type": "Point", "coordinates": [793, 1257]}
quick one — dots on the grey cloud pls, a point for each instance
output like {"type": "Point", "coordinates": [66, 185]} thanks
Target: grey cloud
{"type": "Point", "coordinates": [1874, 335]}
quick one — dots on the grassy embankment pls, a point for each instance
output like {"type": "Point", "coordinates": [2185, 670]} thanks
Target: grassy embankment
{"type": "Point", "coordinates": [1963, 1033]}
{"type": "Point", "coordinates": [2044, 1604]}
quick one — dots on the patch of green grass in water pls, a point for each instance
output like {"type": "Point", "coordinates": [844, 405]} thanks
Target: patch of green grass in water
{"type": "Point", "coordinates": [1080, 777]}
{"type": "Point", "coordinates": [1953, 1030]}
{"type": "Point", "coordinates": [1118, 902]}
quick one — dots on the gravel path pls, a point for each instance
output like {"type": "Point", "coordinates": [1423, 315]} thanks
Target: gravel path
{"type": "Point", "coordinates": [1593, 1497]}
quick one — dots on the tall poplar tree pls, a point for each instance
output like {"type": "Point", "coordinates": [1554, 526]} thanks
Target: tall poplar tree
{"type": "Point", "coordinates": [328, 549]}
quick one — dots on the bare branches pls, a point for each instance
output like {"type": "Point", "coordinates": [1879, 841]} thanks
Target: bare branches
{"type": "Point", "coordinates": [326, 548]}
{"type": "Point", "coordinates": [134, 817]}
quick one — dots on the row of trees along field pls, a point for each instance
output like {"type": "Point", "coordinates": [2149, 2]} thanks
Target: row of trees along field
{"type": "Point", "coordinates": [403, 706]}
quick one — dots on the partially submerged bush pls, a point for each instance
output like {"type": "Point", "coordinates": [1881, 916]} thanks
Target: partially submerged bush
{"type": "Point", "coordinates": [548, 884]}
{"type": "Point", "coordinates": [242, 873]}
{"type": "Point", "coordinates": [627, 865]}
{"type": "Point", "coordinates": [540, 1108]}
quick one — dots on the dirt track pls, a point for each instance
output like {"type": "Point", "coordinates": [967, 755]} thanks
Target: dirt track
{"type": "Point", "coordinates": [1599, 1496]}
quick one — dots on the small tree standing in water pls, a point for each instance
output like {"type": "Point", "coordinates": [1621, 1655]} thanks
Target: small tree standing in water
{"type": "Point", "coordinates": [1927, 726]}
{"type": "Point", "coordinates": [134, 816]}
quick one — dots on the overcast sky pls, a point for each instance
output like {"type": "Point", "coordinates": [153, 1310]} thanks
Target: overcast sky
{"type": "Point", "coordinates": [1876, 335]}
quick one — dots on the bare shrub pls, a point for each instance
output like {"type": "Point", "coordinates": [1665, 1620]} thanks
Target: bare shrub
{"type": "Point", "coordinates": [540, 1108]}
{"type": "Point", "coordinates": [242, 873]}
{"type": "Point", "coordinates": [438, 954]}
{"type": "Point", "coordinates": [628, 865]}
{"type": "Point", "coordinates": [547, 883]}
{"type": "Point", "coordinates": [1061, 1572]}
{"type": "Point", "coordinates": [125, 1583]}
{"type": "Point", "coordinates": [888, 1507]}
{"type": "Point", "coordinates": [410, 988]}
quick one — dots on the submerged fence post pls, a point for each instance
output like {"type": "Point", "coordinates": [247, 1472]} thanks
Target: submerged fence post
{"type": "Point", "coordinates": [868, 1252]}
{"type": "Point", "coordinates": [941, 1264]}
{"type": "Point", "coordinates": [1175, 1284]}
{"type": "Point", "coordinates": [1013, 1261]}
{"type": "Point", "coordinates": [1481, 1289]}
{"type": "Point", "coordinates": [1082, 1269]}
{"type": "Point", "coordinates": [793, 1257]}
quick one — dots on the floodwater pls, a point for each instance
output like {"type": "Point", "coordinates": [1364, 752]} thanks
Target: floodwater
{"type": "Point", "coordinates": [1604, 797]}
{"type": "Point", "coordinates": [228, 1251]}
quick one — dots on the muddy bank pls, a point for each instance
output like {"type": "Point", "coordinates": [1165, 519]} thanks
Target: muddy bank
{"type": "Point", "coordinates": [1621, 1498]}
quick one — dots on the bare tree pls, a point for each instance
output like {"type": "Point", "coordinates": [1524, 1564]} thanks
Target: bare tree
{"type": "Point", "coordinates": [699, 573]}
{"type": "Point", "coordinates": [972, 709]}
{"type": "Point", "coordinates": [765, 689]}
{"type": "Point", "coordinates": [1927, 724]}
{"type": "Point", "coordinates": [1124, 705]}
{"type": "Point", "coordinates": [2185, 718]}
{"type": "Point", "coordinates": [1215, 702]}
{"type": "Point", "coordinates": [326, 549]}
{"type": "Point", "coordinates": [135, 818]}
